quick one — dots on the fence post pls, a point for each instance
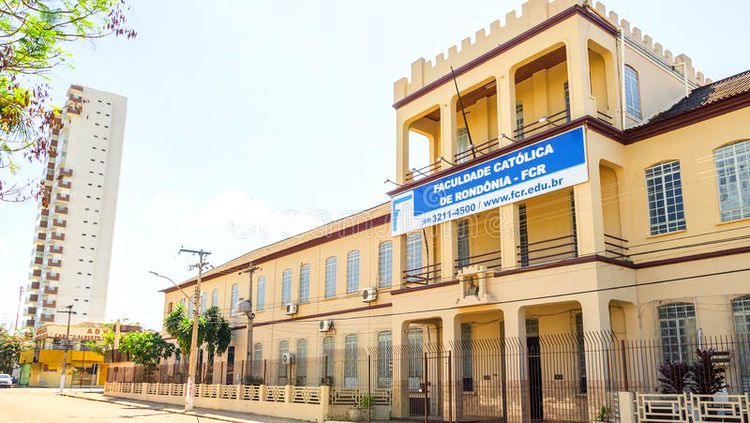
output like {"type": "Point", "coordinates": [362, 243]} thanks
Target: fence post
{"type": "Point", "coordinates": [450, 388]}
{"type": "Point", "coordinates": [369, 391]}
{"type": "Point", "coordinates": [624, 365]}
{"type": "Point", "coordinates": [426, 394]}
{"type": "Point", "coordinates": [625, 406]}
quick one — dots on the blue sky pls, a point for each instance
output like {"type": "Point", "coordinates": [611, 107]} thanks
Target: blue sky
{"type": "Point", "coordinates": [251, 120]}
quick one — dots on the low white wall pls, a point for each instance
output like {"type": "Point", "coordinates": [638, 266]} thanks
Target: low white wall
{"type": "Point", "coordinates": [287, 409]}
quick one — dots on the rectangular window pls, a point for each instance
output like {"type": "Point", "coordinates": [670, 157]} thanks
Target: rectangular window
{"type": "Point", "coordinates": [350, 361]}
{"type": "Point", "coordinates": [304, 283]}
{"type": "Point", "coordinates": [301, 363]}
{"type": "Point", "coordinates": [283, 368]}
{"type": "Point", "coordinates": [260, 303]}
{"type": "Point", "coordinates": [463, 243]}
{"type": "Point", "coordinates": [286, 287]}
{"type": "Point", "coordinates": [215, 298]}
{"type": "Point", "coordinates": [385, 264]}
{"type": "Point", "coordinates": [523, 236]}
{"type": "Point", "coordinates": [566, 93]}
{"type": "Point", "coordinates": [632, 93]}
{"type": "Point", "coordinates": [385, 359]}
{"type": "Point", "coordinates": [741, 312]}
{"type": "Point", "coordinates": [415, 358]}
{"type": "Point", "coordinates": [462, 139]}
{"type": "Point", "coordinates": [414, 257]}
{"type": "Point", "coordinates": [235, 299]}
{"type": "Point", "coordinates": [191, 306]}
{"type": "Point", "coordinates": [329, 344]}
{"type": "Point", "coordinates": [733, 179]}
{"type": "Point", "coordinates": [257, 360]}
{"type": "Point", "coordinates": [352, 272]}
{"type": "Point", "coordinates": [204, 302]}
{"type": "Point", "coordinates": [677, 330]}
{"type": "Point", "coordinates": [330, 277]}
{"type": "Point", "coordinates": [467, 363]}
{"type": "Point", "coordinates": [665, 206]}
{"type": "Point", "coordinates": [519, 121]}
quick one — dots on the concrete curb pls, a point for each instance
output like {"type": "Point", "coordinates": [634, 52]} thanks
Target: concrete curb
{"type": "Point", "coordinates": [156, 407]}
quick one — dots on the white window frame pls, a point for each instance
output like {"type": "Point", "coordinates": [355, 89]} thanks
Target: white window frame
{"type": "Point", "coordinates": [732, 163]}
{"type": "Point", "coordinates": [286, 287]}
{"type": "Point", "coordinates": [351, 361]}
{"type": "Point", "coordinates": [352, 272]}
{"type": "Point", "coordinates": [385, 264]}
{"type": "Point", "coordinates": [330, 283]}
{"type": "Point", "coordinates": [664, 192]}
{"type": "Point", "coordinates": [677, 330]}
{"type": "Point", "coordinates": [304, 283]}
{"type": "Point", "coordinates": [632, 93]}
{"type": "Point", "coordinates": [235, 298]}
{"type": "Point", "coordinates": [260, 300]}
{"type": "Point", "coordinates": [414, 245]}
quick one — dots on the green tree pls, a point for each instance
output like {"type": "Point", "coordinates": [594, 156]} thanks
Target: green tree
{"type": "Point", "coordinates": [213, 331]}
{"type": "Point", "coordinates": [107, 344]}
{"type": "Point", "coordinates": [146, 349]}
{"type": "Point", "coordinates": [11, 346]}
{"type": "Point", "coordinates": [34, 35]}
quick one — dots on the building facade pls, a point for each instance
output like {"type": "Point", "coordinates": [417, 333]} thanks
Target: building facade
{"type": "Point", "coordinates": [73, 241]}
{"type": "Point", "coordinates": [623, 220]}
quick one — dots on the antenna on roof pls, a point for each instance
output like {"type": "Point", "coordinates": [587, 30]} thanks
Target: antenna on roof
{"type": "Point", "coordinates": [463, 113]}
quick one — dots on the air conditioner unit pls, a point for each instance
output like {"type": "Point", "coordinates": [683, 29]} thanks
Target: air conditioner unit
{"type": "Point", "coordinates": [369, 295]}
{"type": "Point", "coordinates": [287, 358]}
{"type": "Point", "coordinates": [325, 325]}
{"type": "Point", "coordinates": [291, 308]}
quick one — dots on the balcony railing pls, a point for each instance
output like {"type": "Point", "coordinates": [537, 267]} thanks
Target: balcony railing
{"type": "Point", "coordinates": [58, 236]}
{"type": "Point", "coordinates": [31, 311]}
{"type": "Point", "coordinates": [54, 262]}
{"type": "Point", "coordinates": [47, 318]}
{"type": "Point", "coordinates": [56, 249]}
{"type": "Point", "coordinates": [66, 172]}
{"type": "Point", "coordinates": [61, 209]}
{"type": "Point", "coordinates": [424, 275]}
{"type": "Point", "coordinates": [41, 236]}
{"type": "Point", "coordinates": [49, 303]}
{"type": "Point", "coordinates": [548, 250]}
{"type": "Point", "coordinates": [30, 323]}
{"type": "Point", "coordinates": [34, 285]}
{"type": "Point", "coordinates": [478, 150]}
{"type": "Point", "coordinates": [52, 276]}
{"type": "Point", "coordinates": [62, 197]}
{"type": "Point", "coordinates": [64, 184]}
{"type": "Point", "coordinates": [605, 117]}
{"type": "Point", "coordinates": [36, 273]}
{"type": "Point", "coordinates": [541, 125]}
{"type": "Point", "coordinates": [50, 290]}
{"type": "Point", "coordinates": [59, 223]}
{"type": "Point", "coordinates": [490, 260]}
{"type": "Point", "coordinates": [417, 174]}
{"type": "Point", "coordinates": [33, 298]}
{"type": "Point", "coordinates": [616, 247]}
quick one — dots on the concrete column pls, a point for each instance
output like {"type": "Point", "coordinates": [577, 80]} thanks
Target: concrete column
{"type": "Point", "coordinates": [597, 341]}
{"type": "Point", "coordinates": [589, 214]}
{"type": "Point", "coordinates": [400, 386]}
{"type": "Point", "coordinates": [508, 236]}
{"type": "Point", "coordinates": [506, 105]}
{"type": "Point", "coordinates": [399, 260]}
{"type": "Point", "coordinates": [402, 151]}
{"type": "Point", "coordinates": [452, 391]}
{"type": "Point", "coordinates": [448, 132]}
{"type": "Point", "coordinates": [581, 101]}
{"type": "Point", "coordinates": [448, 249]}
{"type": "Point", "coordinates": [516, 364]}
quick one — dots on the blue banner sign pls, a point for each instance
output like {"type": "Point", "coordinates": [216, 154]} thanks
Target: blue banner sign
{"type": "Point", "coordinates": [546, 166]}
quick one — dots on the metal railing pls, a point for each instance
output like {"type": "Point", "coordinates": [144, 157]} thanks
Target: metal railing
{"type": "Point", "coordinates": [417, 174]}
{"type": "Point", "coordinates": [542, 124]}
{"type": "Point", "coordinates": [547, 250]}
{"type": "Point", "coordinates": [489, 260]}
{"type": "Point", "coordinates": [604, 117]}
{"type": "Point", "coordinates": [616, 247]}
{"type": "Point", "coordinates": [478, 150]}
{"type": "Point", "coordinates": [424, 275]}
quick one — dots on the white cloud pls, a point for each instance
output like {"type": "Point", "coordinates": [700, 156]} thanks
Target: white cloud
{"type": "Point", "coordinates": [246, 218]}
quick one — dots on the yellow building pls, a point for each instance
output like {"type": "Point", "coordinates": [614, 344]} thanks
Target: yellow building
{"type": "Point", "coordinates": [42, 365]}
{"type": "Point", "coordinates": [589, 223]}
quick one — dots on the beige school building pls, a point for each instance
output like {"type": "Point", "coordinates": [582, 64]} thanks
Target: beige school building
{"type": "Point", "coordinates": [614, 209]}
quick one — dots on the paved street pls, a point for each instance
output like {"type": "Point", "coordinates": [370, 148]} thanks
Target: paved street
{"type": "Point", "coordinates": [44, 405]}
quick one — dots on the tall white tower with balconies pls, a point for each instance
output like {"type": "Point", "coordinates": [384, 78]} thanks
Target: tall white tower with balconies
{"type": "Point", "coordinates": [73, 241]}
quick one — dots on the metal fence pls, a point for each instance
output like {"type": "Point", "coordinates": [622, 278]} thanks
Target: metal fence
{"type": "Point", "coordinates": [547, 378]}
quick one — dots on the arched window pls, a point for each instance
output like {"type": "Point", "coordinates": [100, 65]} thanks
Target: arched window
{"type": "Point", "coordinates": [234, 300]}
{"type": "Point", "coordinates": [352, 271]}
{"type": "Point", "coordinates": [330, 277]}
{"type": "Point", "coordinates": [260, 301]}
{"type": "Point", "coordinates": [215, 297]}
{"type": "Point", "coordinates": [665, 207]}
{"type": "Point", "coordinates": [385, 359]}
{"type": "Point", "coordinates": [733, 180]}
{"type": "Point", "coordinates": [283, 368]}
{"type": "Point", "coordinates": [632, 93]}
{"type": "Point", "coordinates": [677, 331]}
{"type": "Point", "coordinates": [304, 283]}
{"type": "Point", "coordinates": [286, 287]}
{"type": "Point", "coordinates": [385, 264]}
{"type": "Point", "coordinates": [204, 302]}
{"type": "Point", "coordinates": [329, 343]}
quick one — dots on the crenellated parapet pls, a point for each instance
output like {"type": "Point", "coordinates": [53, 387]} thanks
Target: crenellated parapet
{"type": "Point", "coordinates": [533, 12]}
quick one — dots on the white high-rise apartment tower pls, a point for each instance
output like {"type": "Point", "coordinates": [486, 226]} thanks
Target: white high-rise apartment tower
{"type": "Point", "coordinates": [73, 241]}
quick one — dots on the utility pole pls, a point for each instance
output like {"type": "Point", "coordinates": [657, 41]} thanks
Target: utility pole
{"type": "Point", "coordinates": [18, 313]}
{"type": "Point", "coordinates": [247, 308]}
{"type": "Point", "coordinates": [69, 311]}
{"type": "Point", "coordinates": [190, 391]}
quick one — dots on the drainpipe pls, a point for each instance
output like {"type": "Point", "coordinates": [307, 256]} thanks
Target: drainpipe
{"type": "Point", "coordinates": [623, 102]}
{"type": "Point", "coordinates": [684, 76]}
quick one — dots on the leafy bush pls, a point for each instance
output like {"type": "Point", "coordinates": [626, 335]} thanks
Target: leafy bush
{"type": "Point", "coordinates": [708, 377]}
{"type": "Point", "coordinates": [674, 377]}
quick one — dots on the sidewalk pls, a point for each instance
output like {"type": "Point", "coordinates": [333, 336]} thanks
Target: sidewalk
{"type": "Point", "coordinates": [227, 416]}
